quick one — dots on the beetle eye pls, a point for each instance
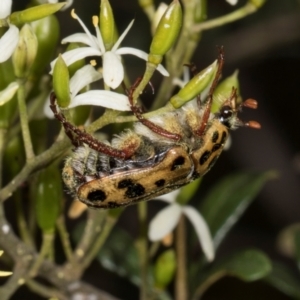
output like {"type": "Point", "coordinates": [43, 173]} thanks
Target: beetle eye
{"type": "Point", "coordinates": [226, 112]}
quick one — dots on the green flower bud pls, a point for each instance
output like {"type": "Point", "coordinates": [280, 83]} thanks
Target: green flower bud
{"type": "Point", "coordinates": [107, 24]}
{"type": "Point", "coordinates": [48, 196]}
{"type": "Point", "coordinates": [195, 86]}
{"type": "Point", "coordinates": [224, 90]}
{"type": "Point", "coordinates": [61, 83]}
{"type": "Point", "coordinates": [164, 269]}
{"type": "Point", "coordinates": [25, 53]}
{"type": "Point", "coordinates": [31, 14]}
{"type": "Point", "coordinates": [257, 3]}
{"type": "Point", "coordinates": [146, 3]}
{"type": "Point", "coordinates": [188, 191]}
{"type": "Point", "coordinates": [166, 33]}
{"type": "Point", "coordinates": [47, 33]}
{"type": "Point", "coordinates": [7, 110]}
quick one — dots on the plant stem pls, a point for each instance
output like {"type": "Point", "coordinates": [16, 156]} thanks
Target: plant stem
{"type": "Point", "coordinates": [142, 248]}
{"type": "Point", "coordinates": [181, 291]}
{"type": "Point", "coordinates": [24, 123]}
{"type": "Point", "coordinates": [2, 143]}
{"type": "Point", "coordinates": [231, 17]}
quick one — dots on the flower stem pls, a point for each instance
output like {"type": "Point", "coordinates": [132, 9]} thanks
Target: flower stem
{"type": "Point", "coordinates": [231, 17]}
{"type": "Point", "coordinates": [24, 123]}
{"type": "Point", "coordinates": [181, 291]}
{"type": "Point", "coordinates": [142, 249]}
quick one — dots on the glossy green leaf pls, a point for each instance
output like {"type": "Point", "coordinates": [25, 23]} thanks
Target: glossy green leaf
{"type": "Point", "coordinates": [248, 265]}
{"type": "Point", "coordinates": [228, 200]}
{"type": "Point", "coordinates": [284, 280]}
{"type": "Point", "coordinates": [119, 255]}
{"type": "Point", "coordinates": [48, 197]}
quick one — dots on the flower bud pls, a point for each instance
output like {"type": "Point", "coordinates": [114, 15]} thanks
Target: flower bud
{"type": "Point", "coordinates": [25, 53]}
{"type": "Point", "coordinates": [164, 269]}
{"type": "Point", "coordinates": [224, 90]}
{"type": "Point", "coordinates": [61, 83]}
{"type": "Point", "coordinates": [47, 33]}
{"type": "Point", "coordinates": [200, 13]}
{"type": "Point", "coordinates": [257, 3]}
{"type": "Point", "coordinates": [48, 196]}
{"type": "Point", "coordinates": [31, 14]}
{"type": "Point", "coordinates": [166, 33]}
{"type": "Point", "coordinates": [8, 109]}
{"type": "Point", "coordinates": [107, 25]}
{"type": "Point", "coordinates": [195, 86]}
{"type": "Point", "coordinates": [78, 64]}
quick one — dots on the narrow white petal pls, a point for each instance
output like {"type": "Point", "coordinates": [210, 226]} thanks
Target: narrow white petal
{"type": "Point", "coordinates": [102, 98]}
{"type": "Point", "coordinates": [80, 38]}
{"type": "Point", "coordinates": [143, 55]}
{"type": "Point", "coordinates": [5, 9]}
{"type": "Point", "coordinates": [69, 3]}
{"type": "Point", "coordinates": [3, 273]}
{"type": "Point", "coordinates": [47, 110]}
{"type": "Point", "coordinates": [95, 44]}
{"type": "Point", "coordinates": [113, 71]}
{"type": "Point", "coordinates": [8, 92]}
{"type": "Point", "coordinates": [232, 2]}
{"type": "Point", "coordinates": [82, 78]}
{"type": "Point", "coordinates": [170, 197]}
{"type": "Point", "coordinates": [76, 54]}
{"type": "Point", "coordinates": [164, 222]}
{"type": "Point", "coordinates": [8, 42]}
{"type": "Point", "coordinates": [121, 38]}
{"type": "Point", "coordinates": [202, 231]}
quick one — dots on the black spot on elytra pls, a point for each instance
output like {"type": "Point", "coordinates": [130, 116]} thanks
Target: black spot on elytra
{"type": "Point", "coordinates": [125, 183]}
{"type": "Point", "coordinates": [215, 137]}
{"type": "Point", "coordinates": [179, 161]}
{"type": "Point", "coordinates": [204, 157]}
{"type": "Point", "coordinates": [160, 183]}
{"type": "Point", "coordinates": [216, 147]}
{"type": "Point", "coordinates": [135, 190]}
{"type": "Point", "coordinates": [224, 136]}
{"type": "Point", "coordinates": [97, 195]}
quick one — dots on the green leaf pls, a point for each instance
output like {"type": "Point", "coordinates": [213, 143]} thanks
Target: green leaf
{"type": "Point", "coordinates": [115, 258]}
{"type": "Point", "coordinates": [228, 200]}
{"type": "Point", "coordinates": [247, 265]}
{"type": "Point", "coordinates": [284, 280]}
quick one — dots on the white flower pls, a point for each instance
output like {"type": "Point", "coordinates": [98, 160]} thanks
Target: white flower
{"type": "Point", "coordinates": [4, 273]}
{"type": "Point", "coordinates": [8, 93]}
{"type": "Point", "coordinates": [232, 2]}
{"type": "Point", "coordinates": [81, 79]}
{"type": "Point", "coordinates": [5, 8]}
{"type": "Point", "coordinates": [113, 71]}
{"type": "Point", "coordinates": [9, 40]}
{"type": "Point", "coordinates": [166, 220]}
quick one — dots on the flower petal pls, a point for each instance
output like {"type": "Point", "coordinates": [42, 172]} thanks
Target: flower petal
{"type": "Point", "coordinates": [164, 222]}
{"type": "Point", "coordinates": [5, 9]}
{"type": "Point", "coordinates": [170, 197]}
{"type": "Point", "coordinates": [143, 55]}
{"type": "Point", "coordinates": [82, 78]}
{"type": "Point", "coordinates": [80, 38]}
{"type": "Point", "coordinates": [103, 98]}
{"type": "Point", "coordinates": [232, 2]}
{"type": "Point", "coordinates": [8, 42]}
{"type": "Point", "coordinates": [121, 38]}
{"type": "Point", "coordinates": [202, 231]}
{"type": "Point", "coordinates": [8, 93]}
{"type": "Point", "coordinates": [3, 273]}
{"type": "Point", "coordinates": [113, 71]}
{"type": "Point", "coordinates": [76, 54]}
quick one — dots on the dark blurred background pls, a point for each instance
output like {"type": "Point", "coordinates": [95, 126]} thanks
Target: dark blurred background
{"type": "Point", "coordinates": [265, 47]}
